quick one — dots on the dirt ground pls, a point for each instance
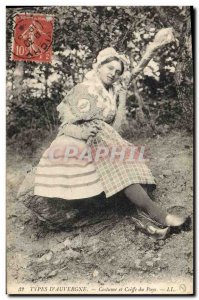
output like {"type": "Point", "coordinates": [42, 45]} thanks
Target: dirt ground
{"type": "Point", "coordinates": [103, 247]}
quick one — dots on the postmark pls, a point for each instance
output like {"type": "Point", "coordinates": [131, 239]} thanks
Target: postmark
{"type": "Point", "coordinates": [32, 38]}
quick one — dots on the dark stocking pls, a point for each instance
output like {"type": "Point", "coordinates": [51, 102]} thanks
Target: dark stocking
{"type": "Point", "coordinates": [137, 195]}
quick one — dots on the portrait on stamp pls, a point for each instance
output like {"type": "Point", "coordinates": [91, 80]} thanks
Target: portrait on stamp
{"type": "Point", "coordinates": [99, 107]}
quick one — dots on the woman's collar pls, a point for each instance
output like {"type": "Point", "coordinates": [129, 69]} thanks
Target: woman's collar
{"type": "Point", "coordinates": [92, 77]}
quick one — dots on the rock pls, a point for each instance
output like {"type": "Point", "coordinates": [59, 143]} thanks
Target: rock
{"type": "Point", "coordinates": [72, 254]}
{"type": "Point", "coordinates": [167, 173]}
{"type": "Point", "coordinates": [157, 259]}
{"type": "Point", "coordinates": [187, 146]}
{"type": "Point", "coordinates": [188, 254]}
{"type": "Point", "coordinates": [46, 257]}
{"type": "Point", "coordinates": [179, 210]}
{"type": "Point", "coordinates": [149, 263]}
{"type": "Point", "coordinates": [77, 242]}
{"type": "Point", "coordinates": [120, 272]}
{"type": "Point", "coordinates": [72, 214]}
{"type": "Point", "coordinates": [137, 263]}
{"type": "Point", "coordinates": [49, 256]}
{"type": "Point", "coordinates": [95, 273]}
{"type": "Point", "coordinates": [43, 273]}
{"type": "Point", "coordinates": [27, 184]}
{"type": "Point", "coordinates": [59, 247]}
{"type": "Point", "coordinates": [65, 278]}
{"type": "Point", "coordinates": [161, 243]}
{"type": "Point", "coordinates": [53, 273]}
{"type": "Point", "coordinates": [101, 282]}
{"type": "Point", "coordinates": [93, 241]}
{"type": "Point", "coordinates": [58, 261]}
{"type": "Point", "coordinates": [148, 255]}
{"type": "Point", "coordinates": [67, 243]}
{"type": "Point", "coordinates": [111, 259]}
{"type": "Point", "coordinates": [133, 227]}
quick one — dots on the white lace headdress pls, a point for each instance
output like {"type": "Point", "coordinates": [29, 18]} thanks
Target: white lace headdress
{"type": "Point", "coordinates": [102, 56]}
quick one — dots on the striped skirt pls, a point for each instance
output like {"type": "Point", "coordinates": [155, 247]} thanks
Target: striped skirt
{"type": "Point", "coordinates": [73, 178]}
{"type": "Point", "coordinates": [57, 177]}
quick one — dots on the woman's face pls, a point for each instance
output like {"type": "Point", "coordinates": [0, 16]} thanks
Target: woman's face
{"type": "Point", "coordinates": [110, 72]}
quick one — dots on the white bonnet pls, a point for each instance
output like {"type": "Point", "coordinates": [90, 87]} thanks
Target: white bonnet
{"type": "Point", "coordinates": [105, 54]}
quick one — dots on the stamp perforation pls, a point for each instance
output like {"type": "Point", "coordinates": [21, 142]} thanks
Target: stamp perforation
{"type": "Point", "coordinates": [34, 42]}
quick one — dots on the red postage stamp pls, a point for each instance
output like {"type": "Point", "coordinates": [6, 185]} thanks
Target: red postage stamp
{"type": "Point", "coordinates": [32, 38]}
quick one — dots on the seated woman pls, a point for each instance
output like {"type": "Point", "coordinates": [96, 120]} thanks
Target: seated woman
{"type": "Point", "coordinates": [87, 114]}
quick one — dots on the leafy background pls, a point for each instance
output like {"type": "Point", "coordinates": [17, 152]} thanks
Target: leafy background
{"type": "Point", "coordinates": [166, 85]}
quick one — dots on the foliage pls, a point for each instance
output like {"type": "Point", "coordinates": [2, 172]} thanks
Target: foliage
{"type": "Point", "coordinates": [34, 90]}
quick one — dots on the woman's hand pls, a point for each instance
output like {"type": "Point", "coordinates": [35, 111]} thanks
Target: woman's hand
{"type": "Point", "coordinates": [122, 96]}
{"type": "Point", "coordinates": [90, 131]}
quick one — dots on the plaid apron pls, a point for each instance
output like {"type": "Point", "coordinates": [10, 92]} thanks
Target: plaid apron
{"type": "Point", "coordinates": [116, 175]}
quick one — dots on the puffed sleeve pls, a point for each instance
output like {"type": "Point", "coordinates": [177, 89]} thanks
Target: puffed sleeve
{"type": "Point", "coordinates": [73, 131]}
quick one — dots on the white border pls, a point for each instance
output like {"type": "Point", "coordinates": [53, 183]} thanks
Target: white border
{"type": "Point", "coordinates": [2, 110]}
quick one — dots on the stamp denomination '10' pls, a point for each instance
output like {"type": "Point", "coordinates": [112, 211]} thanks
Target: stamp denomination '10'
{"type": "Point", "coordinates": [32, 38]}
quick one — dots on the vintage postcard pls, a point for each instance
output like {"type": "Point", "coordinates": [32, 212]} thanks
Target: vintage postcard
{"type": "Point", "coordinates": [99, 109]}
